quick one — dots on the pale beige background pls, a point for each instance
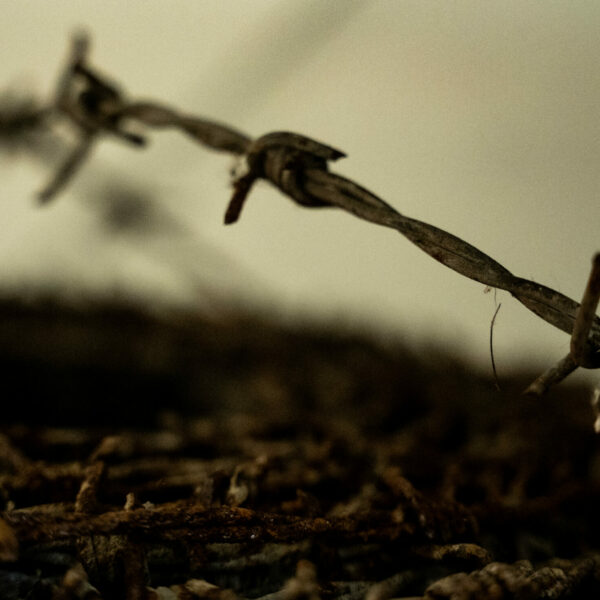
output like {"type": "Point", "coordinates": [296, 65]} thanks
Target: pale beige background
{"type": "Point", "coordinates": [480, 117]}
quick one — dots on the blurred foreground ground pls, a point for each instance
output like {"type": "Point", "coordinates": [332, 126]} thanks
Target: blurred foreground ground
{"type": "Point", "coordinates": [187, 457]}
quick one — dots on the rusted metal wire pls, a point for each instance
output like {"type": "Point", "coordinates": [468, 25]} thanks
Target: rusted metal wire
{"type": "Point", "coordinates": [280, 482]}
{"type": "Point", "coordinates": [298, 166]}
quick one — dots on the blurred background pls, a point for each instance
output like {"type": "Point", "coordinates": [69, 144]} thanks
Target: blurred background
{"type": "Point", "coordinates": [481, 118]}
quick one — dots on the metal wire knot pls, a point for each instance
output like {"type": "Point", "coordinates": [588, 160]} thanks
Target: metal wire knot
{"type": "Point", "coordinates": [282, 158]}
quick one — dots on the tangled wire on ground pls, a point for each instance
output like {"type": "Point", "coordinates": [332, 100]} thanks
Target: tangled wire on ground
{"type": "Point", "coordinates": [269, 477]}
{"type": "Point", "coordinates": [298, 166]}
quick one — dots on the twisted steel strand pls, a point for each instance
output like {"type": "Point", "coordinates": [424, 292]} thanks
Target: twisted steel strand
{"type": "Point", "coordinates": [298, 166]}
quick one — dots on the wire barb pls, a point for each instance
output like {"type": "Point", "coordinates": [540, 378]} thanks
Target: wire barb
{"type": "Point", "coordinates": [283, 158]}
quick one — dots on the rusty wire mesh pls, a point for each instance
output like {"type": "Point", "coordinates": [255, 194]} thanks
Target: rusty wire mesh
{"type": "Point", "coordinates": [190, 458]}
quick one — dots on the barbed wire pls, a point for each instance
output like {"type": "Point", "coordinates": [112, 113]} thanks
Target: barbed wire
{"type": "Point", "coordinates": [298, 167]}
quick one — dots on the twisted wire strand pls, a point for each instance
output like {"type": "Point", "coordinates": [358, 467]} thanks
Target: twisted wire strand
{"type": "Point", "coordinates": [298, 166]}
